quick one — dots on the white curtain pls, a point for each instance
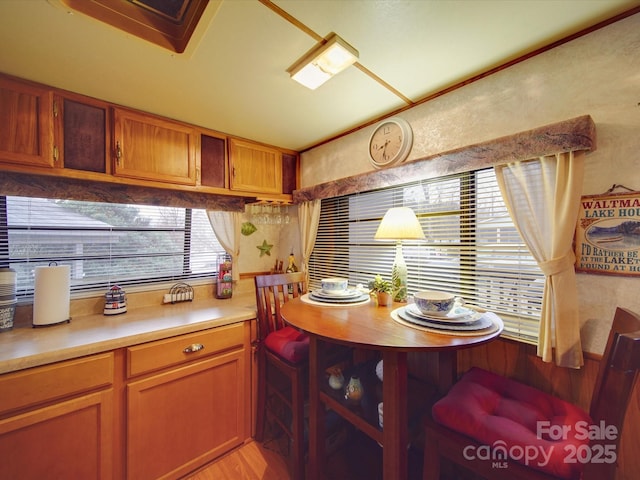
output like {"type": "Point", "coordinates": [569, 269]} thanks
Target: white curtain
{"type": "Point", "coordinates": [226, 226]}
{"type": "Point", "coordinates": [308, 220]}
{"type": "Point", "coordinates": [543, 199]}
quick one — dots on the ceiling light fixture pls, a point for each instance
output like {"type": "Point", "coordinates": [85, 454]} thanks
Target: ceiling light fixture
{"type": "Point", "coordinates": [323, 61]}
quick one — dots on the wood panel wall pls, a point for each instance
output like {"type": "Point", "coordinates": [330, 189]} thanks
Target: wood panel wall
{"type": "Point", "coordinates": [519, 361]}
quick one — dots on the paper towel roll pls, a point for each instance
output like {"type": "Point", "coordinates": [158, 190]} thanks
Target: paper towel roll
{"type": "Point", "coordinates": [51, 295]}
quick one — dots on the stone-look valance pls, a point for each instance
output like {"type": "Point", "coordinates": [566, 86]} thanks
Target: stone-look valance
{"type": "Point", "coordinates": [570, 135]}
{"type": "Point", "coordinates": [28, 185]}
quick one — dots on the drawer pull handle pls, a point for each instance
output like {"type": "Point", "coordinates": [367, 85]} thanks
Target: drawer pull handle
{"type": "Point", "coordinates": [194, 347]}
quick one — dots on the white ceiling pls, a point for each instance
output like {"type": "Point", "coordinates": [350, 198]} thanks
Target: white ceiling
{"type": "Point", "coordinates": [232, 77]}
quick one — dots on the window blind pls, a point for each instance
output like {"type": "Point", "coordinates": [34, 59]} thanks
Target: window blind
{"type": "Point", "coordinates": [104, 243]}
{"type": "Point", "coordinates": [472, 248]}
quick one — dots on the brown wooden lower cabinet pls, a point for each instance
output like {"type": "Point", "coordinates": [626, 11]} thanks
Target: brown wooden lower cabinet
{"type": "Point", "coordinates": [70, 439]}
{"type": "Point", "coordinates": [156, 410]}
{"type": "Point", "coordinates": [51, 428]}
{"type": "Point", "coordinates": [184, 418]}
{"type": "Point", "coordinates": [187, 401]}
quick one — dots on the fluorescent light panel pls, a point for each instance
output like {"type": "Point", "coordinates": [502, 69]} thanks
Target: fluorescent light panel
{"type": "Point", "coordinates": [323, 61]}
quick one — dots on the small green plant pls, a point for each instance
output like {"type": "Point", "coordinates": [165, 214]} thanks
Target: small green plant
{"type": "Point", "coordinates": [380, 285]}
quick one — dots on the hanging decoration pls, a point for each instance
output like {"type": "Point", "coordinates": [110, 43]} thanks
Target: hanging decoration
{"type": "Point", "coordinates": [607, 237]}
{"type": "Point", "coordinates": [265, 248]}
{"type": "Point", "coordinates": [248, 228]}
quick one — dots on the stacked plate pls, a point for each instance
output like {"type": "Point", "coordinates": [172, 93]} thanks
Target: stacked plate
{"type": "Point", "coordinates": [8, 278]}
{"type": "Point", "coordinates": [458, 319]}
{"type": "Point", "coordinates": [350, 295]}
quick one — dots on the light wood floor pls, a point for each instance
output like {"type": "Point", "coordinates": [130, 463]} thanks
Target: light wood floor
{"type": "Point", "coordinates": [255, 462]}
{"type": "Point", "coordinates": [250, 462]}
{"type": "Point", "coordinates": [359, 459]}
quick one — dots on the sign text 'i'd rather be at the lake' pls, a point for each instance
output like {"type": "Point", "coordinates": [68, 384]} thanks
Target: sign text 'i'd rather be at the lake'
{"type": "Point", "coordinates": [608, 234]}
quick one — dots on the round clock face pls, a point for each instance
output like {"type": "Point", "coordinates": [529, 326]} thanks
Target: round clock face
{"type": "Point", "coordinates": [390, 142]}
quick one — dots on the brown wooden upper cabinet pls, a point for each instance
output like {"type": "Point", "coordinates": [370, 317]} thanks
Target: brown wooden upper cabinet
{"type": "Point", "coordinates": [26, 124]}
{"type": "Point", "coordinates": [82, 133]}
{"type": "Point", "coordinates": [290, 172]}
{"type": "Point", "coordinates": [153, 148]}
{"type": "Point", "coordinates": [254, 167]}
{"type": "Point", "coordinates": [48, 131]}
{"type": "Point", "coordinates": [213, 160]}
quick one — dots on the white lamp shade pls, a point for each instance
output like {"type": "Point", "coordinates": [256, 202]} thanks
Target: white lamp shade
{"type": "Point", "coordinates": [399, 223]}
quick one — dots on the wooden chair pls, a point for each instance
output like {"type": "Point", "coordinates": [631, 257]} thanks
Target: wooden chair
{"type": "Point", "coordinates": [483, 409]}
{"type": "Point", "coordinates": [283, 354]}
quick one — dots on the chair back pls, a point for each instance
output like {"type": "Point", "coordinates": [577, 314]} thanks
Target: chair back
{"type": "Point", "coordinates": [614, 385]}
{"type": "Point", "coordinates": [273, 291]}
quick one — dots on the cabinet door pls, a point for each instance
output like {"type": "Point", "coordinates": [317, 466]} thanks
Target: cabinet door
{"type": "Point", "coordinates": [289, 173]}
{"type": "Point", "coordinates": [71, 439]}
{"type": "Point", "coordinates": [213, 161]}
{"type": "Point", "coordinates": [254, 168]}
{"type": "Point", "coordinates": [152, 148]}
{"type": "Point", "coordinates": [26, 119]}
{"type": "Point", "coordinates": [81, 133]}
{"type": "Point", "coordinates": [186, 417]}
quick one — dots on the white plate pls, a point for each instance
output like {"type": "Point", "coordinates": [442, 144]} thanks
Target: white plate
{"type": "Point", "coordinates": [496, 325]}
{"type": "Point", "coordinates": [352, 292]}
{"type": "Point", "coordinates": [456, 314]}
{"type": "Point", "coordinates": [344, 300]}
{"type": "Point", "coordinates": [476, 323]}
{"type": "Point", "coordinates": [338, 302]}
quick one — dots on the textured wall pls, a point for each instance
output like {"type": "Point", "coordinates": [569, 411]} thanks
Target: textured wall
{"type": "Point", "coordinates": [597, 75]}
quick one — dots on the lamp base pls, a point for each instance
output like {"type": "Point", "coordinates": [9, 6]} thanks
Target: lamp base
{"type": "Point", "coordinates": [399, 276]}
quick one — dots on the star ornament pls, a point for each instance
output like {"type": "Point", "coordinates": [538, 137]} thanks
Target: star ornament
{"type": "Point", "coordinates": [265, 248]}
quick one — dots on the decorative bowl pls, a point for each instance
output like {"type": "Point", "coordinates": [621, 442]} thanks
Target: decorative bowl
{"type": "Point", "coordinates": [334, 284]}
{"type": "Point", "coordinates": [432, 302]}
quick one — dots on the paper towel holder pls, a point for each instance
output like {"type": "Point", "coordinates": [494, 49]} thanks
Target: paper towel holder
{"type": "Point", "coordinates": [55, 286]}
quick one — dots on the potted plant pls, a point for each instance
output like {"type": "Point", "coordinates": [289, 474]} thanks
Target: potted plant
{"type": "Point", "coordinates": [382, 289]}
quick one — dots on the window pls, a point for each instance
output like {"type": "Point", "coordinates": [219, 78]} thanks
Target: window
{"type": "Point", "coordinates": [471, 249]}
{"type": "Point", "coordinates": [104, 243]}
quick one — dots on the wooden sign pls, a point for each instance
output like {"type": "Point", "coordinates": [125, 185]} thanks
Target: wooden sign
{"type": "Point", "coordinates": [608, 234]}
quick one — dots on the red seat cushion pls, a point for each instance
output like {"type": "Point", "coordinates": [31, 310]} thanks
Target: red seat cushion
{"type": "Point", "coordinates": [289, 344]}
{"type": "Point", "coordinates": [520, 420]}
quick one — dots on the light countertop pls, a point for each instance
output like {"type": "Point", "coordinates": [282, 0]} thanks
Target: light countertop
{"type": "Point", "coordinates": [25, 346]}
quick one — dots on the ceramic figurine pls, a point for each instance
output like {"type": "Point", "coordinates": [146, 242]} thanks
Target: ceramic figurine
{"type": "Point", "coordinates": [354, 391]}
{"type": "Point", "coordinates": [379, 370]}
{"type": "Point", "coordinates": [336, 379]}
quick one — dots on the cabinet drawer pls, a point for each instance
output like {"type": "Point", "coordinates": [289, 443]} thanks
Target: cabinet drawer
{"type": "Point", "coordinates": [30, 387]}
{"type": "Point", "coordinates": [185, 348]}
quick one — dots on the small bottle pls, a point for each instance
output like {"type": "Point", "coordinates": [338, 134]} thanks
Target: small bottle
{"type": "Point", "coordinates": [291, 268]}
{"type": "Point", "coordinates": [292, 264]}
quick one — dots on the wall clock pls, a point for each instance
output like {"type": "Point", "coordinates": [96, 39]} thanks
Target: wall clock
{"type": "Point", "coordinates": [390, 142]}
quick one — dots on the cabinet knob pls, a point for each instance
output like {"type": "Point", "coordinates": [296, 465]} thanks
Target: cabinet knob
{"type": "Point", "coordinates": [194, 347]}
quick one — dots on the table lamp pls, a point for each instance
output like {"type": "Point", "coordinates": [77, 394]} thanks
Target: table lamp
{"type": "Point", "coordinates": [399, 223]}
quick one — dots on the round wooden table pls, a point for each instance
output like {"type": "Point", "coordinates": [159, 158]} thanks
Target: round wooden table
{"type": "Point", "coordinates": [371, 327]}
